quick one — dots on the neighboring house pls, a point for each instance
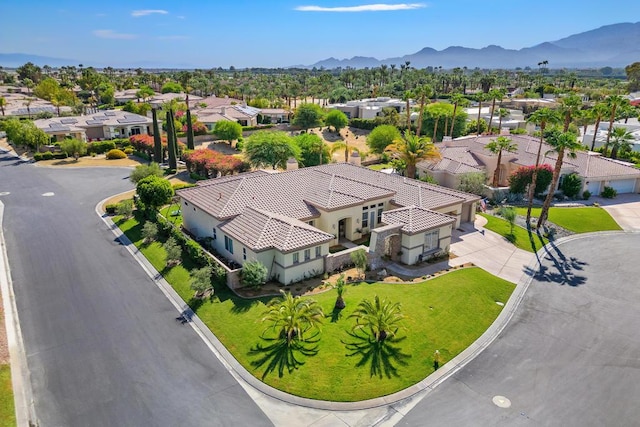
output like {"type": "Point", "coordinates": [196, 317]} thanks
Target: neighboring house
{"type": "Point", "coordinates": [276, 115]}
{"type": "Point", "coordinates": [158, 100]}
{"type": "Point", "coordinates": [246, 116]}
{"type": "Point", "coordinates": [123, 96]}
{"type": "Point", "coordinates": [515, 119]}
{"type": "Point", "coordinates": [98, 126]}
{"type": "Point", "coordinates": [288, 220]}
{"type": "Point", "coordinates": [632, 125]}
{"type": "Point", "coordinates": [21, 103]}
{"type": "Point", "coordinates": [369, 108]}
{"type": "Point", "coordinates": [468, 154]}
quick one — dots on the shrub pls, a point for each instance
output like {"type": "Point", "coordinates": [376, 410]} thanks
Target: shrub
{"type": "Point", "coordinates": [143, 171]}
{"type": "Point", "coordinates": [149, 232]}
{"type": "Point", "coordinates": [128, 151]}
{"type": "Point", "coordinates": [609, 192]}
{"type": "Point", "coordinates": [521, 178]}
{"type": "Point", "coordinates": [254, 274]}
{"type": "Point", "coordinates": [47, 155]}
{"type": "Point", "coordinates": [173, 251]}
{"type": "Point", "coordinates": [37, 157]}
{"type": "Point", "coordinates": [60, 155]}
{"type": "Point", "coordinates": [125, 208]}
{"type": "Point", "coordinates": [571, 185]}
{"type": "Point", "coordinates": [201, 281]}
{"type": "Point", "coordinates": [586, 194]}
{"type": "Point", "coordinates": [116, 154]}
{"type": "Point", "coordinates": [111, 208]}
{"type": "Point", "coordinates": [196, 176]}
{"type": "Point", "coordinates": [180, 185]}
{"type": "Point", "coordinates": [73, 147]}
{"type": "Point", "coordinates": [100, 147]}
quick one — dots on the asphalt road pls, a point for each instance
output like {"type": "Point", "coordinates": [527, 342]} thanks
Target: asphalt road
{"type": "Point", "coordinates": [569, 357]}
{"type": "Point", "coordinates": [102, 343]}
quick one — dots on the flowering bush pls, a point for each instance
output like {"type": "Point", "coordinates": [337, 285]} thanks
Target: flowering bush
{"type": "Point", "coordinates": [208, 163]}
{"type": "Point", "coordinates": [521, 178]}
{"type": "Point", "coordinates": [199, 128]}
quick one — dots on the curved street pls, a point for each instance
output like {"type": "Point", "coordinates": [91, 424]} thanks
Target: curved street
{"type": "Point", "coordinates": [570, 355]}
{"type": "Point", "coordinates": [102, 344]}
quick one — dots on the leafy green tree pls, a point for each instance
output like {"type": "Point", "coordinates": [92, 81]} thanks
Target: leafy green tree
{"type": "Point", "coordinates": [201, 282]}
{"type": "Point", "coordinates": [381, 318]}
{"type": "Point", "coordinates": [254, 274]}
{"type": "Point", "coordinates": [571, 185]}
{"type": "Point", "coordinates": [291, 317]}
{"type": "Point", "coordinates": [473, 182]}
{"type": "Point", "coordinates": [149, 232]}
{"type": "Point", "coordinates": [360, 260]}
{"type": "Point", "coordinates": [171, 87]}
{"type": "Point", "coordinates": [143, 171]}
{"type": "Point", "coordinates": [337, 119]}
{"type": "Point", "coordinates": [173, 251]}
{"type": "Point", "coordinates": [381, 137]}
{"type": "Point", "coordinates": [29, 71]}
{"type": "Point", "coordinates": [3, 104]}
{"type": "Point", "coordinates": [437, 118]}
{"type": "Point", "coordinates": [106, 93]}
{"type": "Point", "coordinates": [73, 148]}
{"type": "Point", "coordinates": [476, 127]}
{"type": "Point", "coordinates": [154, 192]}
{"type": "Point", "coordinates": [509, 214]}
{"type": "Point", "coordinates": [497, 146]}
{"type": "Point", "coordinates": [613, 102]}
{"type": "Point", "coordinates": [412, 149]}
{"type": "Point", "coordinates": [522, 179]}
{"type": "Point", "coordinates": [145, 92]}
{"type": "Point", "coordinates": [125, 208]}
{"type": "Point", "coordinates": [313, 150]}
{"type": "Point", "coordinates": [266, 148]}
{"type": "Point", "coordinates": [47, 88]}
{"type": "Point", "coordinates": [308, 116]}
{"type": "Point", "coordinates": [633, 75]}
{"type": "Point", "coordinates": [562, 143]}
{"type": "Point", "coordinates": [227, 130]}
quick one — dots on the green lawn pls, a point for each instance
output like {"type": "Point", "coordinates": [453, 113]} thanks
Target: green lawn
{"type": "Point", "coordinates": [380, 166]}
{"type": "Point", "coordinates": [7, 409]}
{"type": "Point", "coordinates": [446, 314]}
{"type": "Point", "coordinates": [579, 220]}
{"type": "Point", "coordinates": [520, 236]}
{"type": "Point", "coordinates": [172, 213]}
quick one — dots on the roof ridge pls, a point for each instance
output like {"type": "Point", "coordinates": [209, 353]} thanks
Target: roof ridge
{"type": "Point", "coordinates": [233, 194]}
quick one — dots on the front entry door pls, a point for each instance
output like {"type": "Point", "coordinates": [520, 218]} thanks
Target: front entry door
{"type": "Point", "coordinates": [372, 219]}
{"type": "Point", "coordinates": [341, 227]}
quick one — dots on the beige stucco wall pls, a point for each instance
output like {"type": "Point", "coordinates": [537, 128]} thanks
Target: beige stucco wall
{"type": "Point", "coordinates": [413, 245]}
{"type": "Point", "coordinates": [328, 220]}
{"type": "Point", "coordinates": [455, 211]}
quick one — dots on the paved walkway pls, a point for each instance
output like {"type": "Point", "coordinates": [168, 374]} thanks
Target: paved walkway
{"type": "Point", "coordinates": [625, 209]}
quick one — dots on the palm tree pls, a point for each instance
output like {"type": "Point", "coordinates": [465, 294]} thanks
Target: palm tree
{"type": "Point", "coordinates": [382, 318]}
{"type": "Point", "coordinates": [407, 98]}
{"type": "Point", "coordinates": [292, 316]}
{"type": "Point", "coordinates": [613, 102]}
{"type": "Point", "coordinates": [503, 113]}
{"type": "Point", "coordinates": [341, 289]}
{"type": "Point", "coordinates": [493, 95]}
{"type": "Point", "coordinates": [458, 100]}
{"type": "Point", "coordinates": [413, 149]}
{"type": "Point", "coordinates": [497, 146]}
{"type": "Point", "coordinates": [569, 106]}
{"type": "Point", "coordinates": [599, 111]}
{"type": "Point", "coordinates": [480, 97]}
{"type": "Point", "coordinates": [562, 143]}
{"type": "Point", "coordinates": [423, 92]}
{"type": "Point", "coordinates": [621, 139]}
{"type": "Point", "coordinates": [339, 146]}
{"type": "Point", "coordinates": [541, 117]}
{"type": "Point", "coordinates": [3, 103]}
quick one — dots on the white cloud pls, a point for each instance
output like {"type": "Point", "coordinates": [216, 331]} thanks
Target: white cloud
{"type": "Point", "coordinates": [145, 12]}
{"type": "Point", "coordinates": [173, 37]}
{"type": "Point", "coordinates": [379, 7]}
{"type": "Point", "coordinates": [181, 17]}
{"type": "Point", "coordinates": [110, 34]}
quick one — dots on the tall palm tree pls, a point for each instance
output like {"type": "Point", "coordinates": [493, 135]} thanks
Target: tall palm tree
{"type": "Point", "coordinates": [614, 102]}
{"type": "Point", "coordinates": [569, 106]}
{"type": "Point", "coordinates": [423, 92]}
{"type": "Point", "coordinates": [413, 149]}
{"type": "Point", "coordinates": [407, 98]}
{"type": "Point", "coordinates": [458, 100]}
{"type": "Point", "coordinates": [541, 117]}
{"type": "Point", "coordinates": [493, 95]}
{"type": "Point", "coordinates": [599, 111]}
{"type": "Point", "coordinates": [292, 316]}
{"type": "Point", "coordinates": [497, 146]}
{"type": "Point", "coordinates": [562, 143]}
{"type": "Point", "coordinates": [480, 98]}
{"type": "Point", "coordinates": [382, 318]}
{"type": "Point", "coordinates": [621, 139]}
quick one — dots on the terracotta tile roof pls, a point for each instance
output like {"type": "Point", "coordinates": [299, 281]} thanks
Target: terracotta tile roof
{"type": "Point", "coordinates": [415, 219]}
{"type": "Point", "coordinates": [261, 230]}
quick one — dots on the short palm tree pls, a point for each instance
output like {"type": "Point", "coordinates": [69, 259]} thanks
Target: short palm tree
{"type": "Point", "coordinates": [382, 318]}
{"type": "Point", "coordinates": [341, 289]}
{"type": "Point", "coordinates": [614, 102]}
{"type": "Point", "coordinates": [344, 145]}
{"type": "Point", "coordinates": [413, 149]}
{"type": "Point", "coordinates": [621, 138]}
{"type": "Point", "coordinates": [293, 316]}
{"type": "Point", "coordinates": [562, 143]}
{"type": "Point", "coordinates": [497, 146]}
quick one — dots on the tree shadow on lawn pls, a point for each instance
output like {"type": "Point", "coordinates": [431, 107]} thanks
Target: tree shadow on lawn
{"type": "Point", "coordinates": [563, 269]}
{"type": "Point", "coordinates": [280, 355]}
{"type": "Point", "coordinates": [382, 356]}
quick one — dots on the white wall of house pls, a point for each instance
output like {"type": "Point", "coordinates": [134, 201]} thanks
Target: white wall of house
{"type": "Point", "coordinates": [329, 220]}
{"type": "Point", "coordinates": [414, 246]}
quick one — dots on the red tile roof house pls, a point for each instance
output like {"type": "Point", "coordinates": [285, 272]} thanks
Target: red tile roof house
{"type": "Point", "coordinates": [468, 154]}
{"type": "Point", "coordinates": [288, 220]}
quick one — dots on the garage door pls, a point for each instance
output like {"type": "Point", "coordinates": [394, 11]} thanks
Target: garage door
{"type": "Point", "coordinates": [594, 188]}
{"type": "Point", "coordinates": [623, 185]}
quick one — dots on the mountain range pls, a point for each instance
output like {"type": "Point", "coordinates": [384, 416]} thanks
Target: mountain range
{"type": "Point", "coordinates": [616, 45]}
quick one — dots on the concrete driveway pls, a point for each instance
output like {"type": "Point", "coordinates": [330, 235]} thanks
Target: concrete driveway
{"type": "Point", "coordinates": [625, 210]}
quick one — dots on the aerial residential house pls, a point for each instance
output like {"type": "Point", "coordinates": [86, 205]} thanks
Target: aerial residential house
{"type": "Point", "coordinates": [289, 220]}
{"type": "Point", "coordinates": [631, 125]}
{"type": "Point", "coordinates": [98, 126]}
{"type": "Point", "coordinates": [468, 154]}
{"type": "Point", "coordinates": [158, 100]}
{"type": "Point", "coordinates": [369, 108]}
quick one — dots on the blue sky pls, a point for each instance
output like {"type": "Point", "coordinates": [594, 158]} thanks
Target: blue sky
{"type": "Point", "coordinates": [271, 33]}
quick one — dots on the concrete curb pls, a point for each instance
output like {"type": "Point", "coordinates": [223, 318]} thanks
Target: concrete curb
{"type": "Point", "coordinates": [20, 375]}
{"type": "Point", "coordinates": [241, 374]}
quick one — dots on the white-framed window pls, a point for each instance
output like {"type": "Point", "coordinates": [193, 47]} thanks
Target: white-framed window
{"type": "Point", "coordinates": [307, 254]}
{"type": "Point", "coordinates": [228, 244]}
{"type": "Point", "coordinates": [430, 240]}
{"type": "Point", "coordinates": [379, 215]}
{"type": "Point", "coordinates": [365, 218]}
{"type": "Point", "coordinates": [296, 257]}
{"type": "Point", "coordinates": [318, 251]}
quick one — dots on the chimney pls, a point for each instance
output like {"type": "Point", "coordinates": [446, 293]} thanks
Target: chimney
{"type": "Point", "coordinates": [354, 158]}
{"type": "Point", "coordinates": [292, 164]}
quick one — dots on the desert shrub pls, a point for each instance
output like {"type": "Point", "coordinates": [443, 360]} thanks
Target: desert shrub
{"type": "Point", "coordinates": [143, 171]}
{"type": "Point", "coordinates": [174, 253]}
{"type": "Point", "coordinates": [609, 192]}
{"type": "Point", "coordinates": [254, 274]}
{"type": "Point", "coordinates": [201, 281]}
{"type": "Point", "coordinates": [111, 208]}
{"type": "Point", "coordinates": [586, 195]}
{"type": "Point", "coordinates": [37, 157]}
{"type": "Point", "coordinates": [125, 208]}
{"type": "Point", "coordinates": [60, 155]}
{"type": "Point", "coordinates": [47, 155]}
{"type": "Point", "coordinates": [128, 151]}
{"type": "Point", "coordinates": [149, 232]}
{"type": "Point", "coordinates": [116, 154]}
{"type": "Point", "coordinates": [571, 185]}
{"type": "Point", "coordinates": [100, 147]}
